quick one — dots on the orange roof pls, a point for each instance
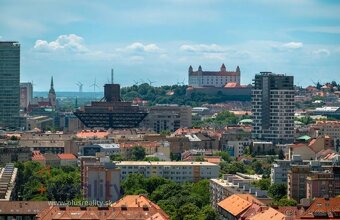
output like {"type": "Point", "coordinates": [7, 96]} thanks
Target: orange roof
{"type": "Point", "coordinates": [153, 144]}
{"type": "Point", "coordinates": [269, 213]}
{"type": "Point", "coordinates": [91, 134]}
{"type": "Point", "coordinates": [36, 155]}
{"type": "Point", "coordinates": [324, 206]}
{"type": "Point", "coordinates": [235, 205]}
{"type": "Point", "coordinates": [250, 198]}
{"type": "Point", "coordinates": [67, 156]}
{"type": "Point", "coordinates": [231, 85]}
{"type": "Point", "coordinates": [131, 201]}
{"type": "Point", "coordinates": [213, 159]}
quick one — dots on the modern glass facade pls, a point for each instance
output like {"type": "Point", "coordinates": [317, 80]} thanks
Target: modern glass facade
{"type": "Point", "coordinates": [9, 84]}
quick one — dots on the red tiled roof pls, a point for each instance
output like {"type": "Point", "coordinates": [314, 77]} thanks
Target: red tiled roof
{"type": "Point", "coordinates": [322, 207]}
{"type": "Point", "coordinates": [36, 155]}
{"type": "Point", "coordinates": [67, 156]}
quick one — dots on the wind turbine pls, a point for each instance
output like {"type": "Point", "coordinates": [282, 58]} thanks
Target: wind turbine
{"type": "Point", "coordinates": [80, 85]}
{"type": "Point", "coordinates": [136, 83]}
{"type": "Point", "coordinates": [150, 82]}
{"type": "Point", "coordinates": [94, 85]}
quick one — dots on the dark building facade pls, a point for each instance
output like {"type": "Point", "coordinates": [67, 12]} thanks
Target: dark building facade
{"type": "Point", "coordinates": [273, 108]}
{"type": "Point", "coordinates": [9, 84]}
{"type": "Point", "coordinates": [111, 112]}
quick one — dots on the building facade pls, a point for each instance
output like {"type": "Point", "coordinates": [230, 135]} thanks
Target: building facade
{"type": "Point", "coordinates": [100, 179]}
{"type": "Point", "coordinates": [9, 84]}
{"type": "Point", "coordinates": [273, 108]}
{"type": "Point", "coordinates": [178, 171]}
{"type": "Point", "coordinates": [26, 94]}
{"type": "Point", "coordinates": [220, 78]}
{"type": "Point", "coordinates": [167, 118]}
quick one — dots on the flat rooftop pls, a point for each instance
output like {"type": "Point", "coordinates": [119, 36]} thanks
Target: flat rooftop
{"type": "Point", "coordinates": [163, 163]}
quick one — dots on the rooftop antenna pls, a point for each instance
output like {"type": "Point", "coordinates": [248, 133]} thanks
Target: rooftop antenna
{"type": "Point", "coordinates": [112, 76]}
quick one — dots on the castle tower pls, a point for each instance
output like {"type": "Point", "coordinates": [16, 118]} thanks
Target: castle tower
{"type": "Point", "coordinates": [190, 69]}
{"type": "Point", "coordinates": [51, 95]}
{"type": "Point", "coordinates": [238, 70]}
{"type": "Point", "coordinates": [223, 69]}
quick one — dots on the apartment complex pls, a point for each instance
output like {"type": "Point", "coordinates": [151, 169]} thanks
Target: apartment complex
{"type": "Point", "coordinates": [9, 84]}
{"type": "Point", "coordinates": [331, 129]}
{"type": "Point", "coordinates": [167, 118]}
{"type": "Point", "coordinates": [178, 171]}
{"type": "Point", "coordinates": [220, 78]}
{"type": "Point", "coordinates": [100, 179]}
{"type": "Point", "coordinates": [273, 108]}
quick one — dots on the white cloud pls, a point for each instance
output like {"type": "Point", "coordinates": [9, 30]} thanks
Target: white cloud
{"type": "Point", "coordinates": [202, 48]}
{"type": "Point", "coordinates": [71, 42]}
{"type": "Point", "coordinates": [321, 52]}
{"type": "Point", "coordinates": [293, 45]}
{"type": "Point", "coordinates": [139, 47]}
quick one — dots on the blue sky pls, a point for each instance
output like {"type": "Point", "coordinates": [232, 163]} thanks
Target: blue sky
{"type": "Point", "coordinates": [158, 40]}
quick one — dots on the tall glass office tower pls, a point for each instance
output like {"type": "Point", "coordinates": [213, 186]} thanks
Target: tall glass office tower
{"type": "Point", "coordinates": [9, 84]}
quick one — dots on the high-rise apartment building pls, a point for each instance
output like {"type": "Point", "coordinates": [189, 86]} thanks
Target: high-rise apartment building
{"type": "Point", "coordinates": [9, 84]}
{"type": "Point", "coordinates": [26, 94]}
{"type": "Point", "coordinates": [273, 108]}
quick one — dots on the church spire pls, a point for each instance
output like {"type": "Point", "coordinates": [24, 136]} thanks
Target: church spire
{"type": "Point", "coordinates": [52, 87]}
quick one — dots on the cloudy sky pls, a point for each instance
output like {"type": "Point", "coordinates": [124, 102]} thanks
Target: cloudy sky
{"type": "Point", "coordinates": [157, 40]}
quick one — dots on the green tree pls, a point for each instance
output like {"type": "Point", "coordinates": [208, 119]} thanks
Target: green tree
{"type": "Point", "coordinates": [281, 154]}
{"type": "Point", "coordinates": [284, 202]}
{"type": "Point", "coordinates": [225, 156]}
{"type": "Point", "coordinates": [208, 213]}
{"type": "Point", "coordinates": [277, 191]}
{"type": "Point", "coordinates": [263, 184]}
{"type": "Point", "coordinates": [138, 153]}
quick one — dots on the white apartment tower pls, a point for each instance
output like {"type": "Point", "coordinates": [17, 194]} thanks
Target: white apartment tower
{"type": "Point", "coordinates": [273, 108]}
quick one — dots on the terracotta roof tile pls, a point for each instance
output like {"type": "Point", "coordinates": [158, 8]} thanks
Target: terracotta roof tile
{"type": "Point", "coordinates": [235, 205]}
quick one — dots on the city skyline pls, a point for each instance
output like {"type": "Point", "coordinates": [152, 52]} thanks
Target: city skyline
{"type": "Point", "coordinates": [149, 40]}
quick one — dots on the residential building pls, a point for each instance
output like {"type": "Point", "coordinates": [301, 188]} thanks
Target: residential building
{"type": "Point", "coordinates": [262, 147]}
{"type": "Point", "coordinates": [178, 171]}
{"type": "Point", "coordinates": [100, 179]}
{"type": "Point", "coordinates": [8, 176]}
{"type": "Point", "coordinates": [49, 142]}
{"type": "Point", "coordinates": [323, 183]}
{"type": "Point", "coordinates": [11, 154]}
{"type": "Point", "coordinates": [9, 84]}
{"type": "Point", "coordinates": [40, 122]}
{"type": "Point", "coordinates": [135, 207]}
{"type": "Point", "coordinates": [296, 184]}
{"type": "Point", "coordinates": [323, 208]}
{"type": "Point", "coordinates": [47, 159]}
{"type": "Point", "coordinates": [245, 206]}
{"type": "Point", "coordinates": [220, 78]}
{"type": "Point", "coordinates": [329, 111]}
{"type": "Point", "coordinates": [26, 210]}
{"type": "Point", "coordinates": [235, 184]}
{"type": "Point", "coordinates": [68, 160]}
{"type": "Point", "coordinates": [26, 94]}
{"type": "Point", "coordinates": [167, 118]}
{"type": "Point", "coordinates": [106, 149]}
{"type": "Point", "coordinates": [308, 150]}
{"type": "Point", "coordinates": [273, 108]}
{"type": "Point", "coordinates": [331, 129]}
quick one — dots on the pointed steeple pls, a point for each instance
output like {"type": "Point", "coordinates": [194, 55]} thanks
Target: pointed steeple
{"type": "Point", "coordinates": [223, 69]}
{"type": "Point", "coordinates": [200, 68]}
{"type": "Point", "coordinates": [52, 87]}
